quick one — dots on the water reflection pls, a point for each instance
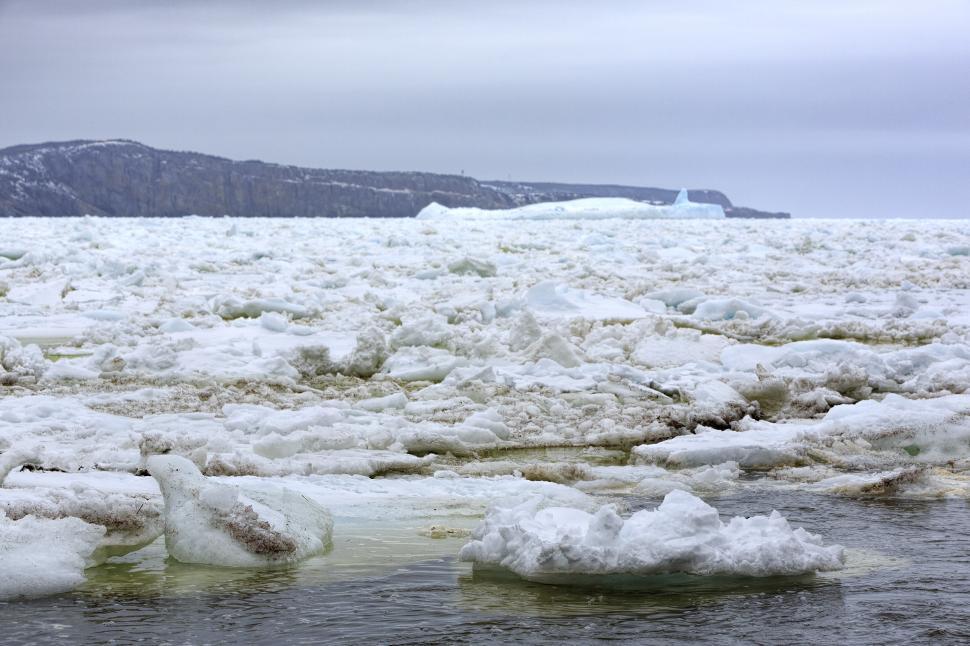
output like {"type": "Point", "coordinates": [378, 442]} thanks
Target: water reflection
{"type": "Point", "coordinates": [494, 591]}
{"type": "Point", "coordinates": [128, 580]}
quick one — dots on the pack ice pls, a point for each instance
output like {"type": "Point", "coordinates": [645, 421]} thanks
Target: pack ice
{"type": "Point", "coordinates": [396, 375]}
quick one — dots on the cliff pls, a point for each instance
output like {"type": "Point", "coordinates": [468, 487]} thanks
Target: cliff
{"type": "Point", "coordinates": [126, 178]}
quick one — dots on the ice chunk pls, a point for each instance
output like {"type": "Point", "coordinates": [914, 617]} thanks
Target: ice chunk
{"type": "Point", "coordinates": [766, 446]}
{"type": "Point", "coordinates": [895, 429]}
{"type": "Point", "coordinates": [714, 478]}
{"type": "Point", "coordinates": [682, 535]}
{"type": "Point", "coordinates": [856, 369]}
{"type": "Point", "coordinates": [377, 404]}
{"type": "Point", "coordinates": [275, 445]}
{"type": "Point", "coordinates": [17, 360]}
{"type": "Point", "coordinates": [652, 305]}
{"type": "Point", "coordinates": [14, 458]}
{"type": "Point", "coordinates": [553, 299]}
{"type": "Point", "coordinates": [176, 325]}
{"type": "Point", "coordinates": [422, 363]}
{"type": "Point", "coordinates": [273, 321]}
{"type": "Point", "coordinates": [816, 355]}
{"type": "Point", "coordinates": [66, 372]}
{"type": "Point", "coordinates": [243, 349]}
{"type": "Point", "coordinates": [473, 266]}
{"type": "Point", "coordinates": [131, 521]}
{"type": "Point", "coordinates": [717, 309]}
{"type": "Point", "coordinates": [432, 331]}
{"type": "Point", "coordinates": [215, 523]}
{"type": "Point", "coordinates": [524, 331]}
{"type": "Point", "coordinates": [491, 424]}
{"type": "Point", "coordinates": [870, 484]}
{"type": "Point", "coordinates": [232, 308]}
{"type": "Point", "coordinates": [368, 355]}
{"type": "Point", "coordinates": [12, 253]}
{"type": "Point", "coordinates": [717, 404]}
{"type": "Point", "coordinates": [40, 556]}
{"type": "Point", "coordinates": [679, 348]}
{"type": "Point", "coordinates": [46, 294]}
{"type": "Point", "coordinates": [934, 431]}
{"type": "Point", "coordinates": [675, 296]}
{"type": "Point", "coordinates": [553, 346]}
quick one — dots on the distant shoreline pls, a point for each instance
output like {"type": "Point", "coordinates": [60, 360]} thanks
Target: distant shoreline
{"type": "Point", "coordinates": [116, 177]}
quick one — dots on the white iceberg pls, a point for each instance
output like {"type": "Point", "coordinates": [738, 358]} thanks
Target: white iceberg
{"type": "Point", "coordinates": [588, 208]}
{"type": "Point", "coordinates": [683, 535]}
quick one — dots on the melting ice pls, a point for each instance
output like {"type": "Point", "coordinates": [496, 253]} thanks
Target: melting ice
{"type": "Point", "coordinates": [530, 378]}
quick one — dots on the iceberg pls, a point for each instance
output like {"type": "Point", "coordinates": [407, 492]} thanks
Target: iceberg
{"type": "Point", "coordinates": [684, 535]}
{"type": "Point", "coordinates": [588, 208]}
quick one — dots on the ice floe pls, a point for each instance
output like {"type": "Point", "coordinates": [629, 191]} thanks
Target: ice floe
{"type": "Point", "coordinates": [130, 520]}
{"type": "Point", "coordinates": [682, 535]}
{"type": "Point", "coordinates": [896, 429]}
{"type": "Point", "coordinates": [552, 299]}
{"type": "Point", "coordinates": [40, 556]}
{"type": "Point", "coordinates": [214, 523]}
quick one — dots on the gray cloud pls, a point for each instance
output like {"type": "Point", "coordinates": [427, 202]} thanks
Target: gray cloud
{"type": "Point", "coordinates": [824, 108]}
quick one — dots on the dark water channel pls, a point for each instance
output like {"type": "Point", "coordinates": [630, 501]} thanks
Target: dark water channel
{"type": "Point", "coordinates": [907, 582]}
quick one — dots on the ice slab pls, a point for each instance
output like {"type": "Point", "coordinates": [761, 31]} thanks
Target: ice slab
{"type": "Point", "coordinates": [41, 557]}
{"type": "Point", "coordinates": [682, 535]}
{"type": "Point", "coordinates": [214, 523]}
{"type": "Point", "coordinates": [549, 298]}
{"type": "Point", "coordinates": [932, 431]}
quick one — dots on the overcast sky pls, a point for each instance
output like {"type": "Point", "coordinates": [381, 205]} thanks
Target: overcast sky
{"type": "Point", "coordinates": [823, 108]}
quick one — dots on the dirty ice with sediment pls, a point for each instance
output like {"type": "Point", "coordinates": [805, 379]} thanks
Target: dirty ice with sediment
{"type": "Point", "coordinates": [245, 392]}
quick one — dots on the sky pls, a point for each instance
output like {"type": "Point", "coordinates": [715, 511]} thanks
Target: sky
{"type": "Point", "coordinates": [823, 108]}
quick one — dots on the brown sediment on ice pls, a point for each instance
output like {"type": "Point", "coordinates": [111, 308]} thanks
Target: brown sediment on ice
{"type": "Point", "coordinates": [258, 536]}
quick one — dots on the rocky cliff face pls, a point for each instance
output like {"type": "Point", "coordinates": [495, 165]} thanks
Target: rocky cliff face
{"type": "Point", "coordinates": [126, 178]}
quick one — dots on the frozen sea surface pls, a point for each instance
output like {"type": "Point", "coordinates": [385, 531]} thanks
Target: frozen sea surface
{"type": "Point", "coordinates": [407, 375]}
